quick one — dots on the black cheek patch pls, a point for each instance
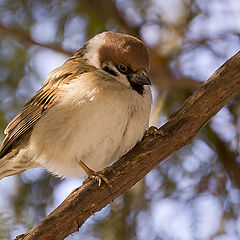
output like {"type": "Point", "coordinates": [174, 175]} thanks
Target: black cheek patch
{"type": "Point", "coordinates": [139, 88]}
{"type": "Point", "coordinates": [109, 70]}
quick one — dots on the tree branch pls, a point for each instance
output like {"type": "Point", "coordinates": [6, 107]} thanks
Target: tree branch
{"type": "Point", "coordinates": [25, 38]}
{"type": "Point", "coordinates": [168, 82]}
{"type": "Point", "coordinates": [226, 156]}
{"type": "Point", "coordinates": [181, 128]}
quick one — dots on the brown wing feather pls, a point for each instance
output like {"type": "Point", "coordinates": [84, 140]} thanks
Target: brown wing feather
{"type": "Point", "coordinates": [44, 99]}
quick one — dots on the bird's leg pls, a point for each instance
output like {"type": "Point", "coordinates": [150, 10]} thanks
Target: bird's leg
{"type": "Point", "coordinates": [97, 176]}
{"type": "Point", "coordinates": [154, 131]}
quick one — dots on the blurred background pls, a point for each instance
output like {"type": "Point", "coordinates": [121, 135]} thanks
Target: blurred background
{"type": "Point", "coordinates": [194, 194]}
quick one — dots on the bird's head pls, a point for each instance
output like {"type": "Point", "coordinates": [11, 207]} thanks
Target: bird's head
{"type": "Point", "coordinates": [121, 56]}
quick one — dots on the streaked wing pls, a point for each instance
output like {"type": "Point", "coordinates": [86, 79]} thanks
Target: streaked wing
{"type": "Point", "coordinates": [44, 99]}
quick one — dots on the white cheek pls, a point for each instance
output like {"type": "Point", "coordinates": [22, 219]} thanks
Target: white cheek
{"type": "Point", "coordinates": [123, 79]}
{"type": "Point", "coordinates": [93, 46]}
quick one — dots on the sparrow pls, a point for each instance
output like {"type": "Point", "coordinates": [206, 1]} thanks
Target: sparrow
{"type": "Point", "coordinates": [89, 112]}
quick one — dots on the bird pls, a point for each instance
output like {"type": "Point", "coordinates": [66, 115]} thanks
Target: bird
{"type": "Point", "coordinates": [88, 113]}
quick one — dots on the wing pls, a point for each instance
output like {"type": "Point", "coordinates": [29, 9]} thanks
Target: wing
{"type": "Point", "coordinates": [44, 99]}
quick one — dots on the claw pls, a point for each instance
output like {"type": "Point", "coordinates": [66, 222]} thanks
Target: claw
{"type": "Point", "coordinates": [97, 176]}
{"type": "Point", "coordinates": [154, 131]}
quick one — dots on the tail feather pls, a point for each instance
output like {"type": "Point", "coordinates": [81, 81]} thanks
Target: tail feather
{"type": "Point", "coordinates": [7, 173]}
{"type": "Point", "coordinates": [14, 163]}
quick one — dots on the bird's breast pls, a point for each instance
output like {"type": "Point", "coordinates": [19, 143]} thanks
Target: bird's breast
{"type": "Point", "coordinates": [95, 125]}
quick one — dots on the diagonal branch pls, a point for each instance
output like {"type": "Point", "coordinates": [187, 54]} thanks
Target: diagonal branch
{"type": "Point", "coordinates": [181, 128]}
{"type": "Point", "coordinates": [25, 38]}
{"type": "Point", "coordinates": [168, 82]}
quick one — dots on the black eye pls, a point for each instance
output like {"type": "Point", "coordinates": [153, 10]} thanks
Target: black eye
{"type": "Point", "coordinates": [122, 68]}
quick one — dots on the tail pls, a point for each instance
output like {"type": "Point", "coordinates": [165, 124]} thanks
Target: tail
{"type": "Point", "coordinates": [14, 163]}
{"type": "Point", "coordinates": [7, 172]}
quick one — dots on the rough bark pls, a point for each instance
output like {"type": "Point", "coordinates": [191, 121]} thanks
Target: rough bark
{"type": "Point", "coordinates": [181, 128]}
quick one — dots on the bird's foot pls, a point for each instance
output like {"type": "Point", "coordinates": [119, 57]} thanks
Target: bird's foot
{"type": "Point", "coordinates": [154, 131]}
{"type": "Point", "coordinates": [97, 176]}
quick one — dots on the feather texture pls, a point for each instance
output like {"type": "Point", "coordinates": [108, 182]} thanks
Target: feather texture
{"type": "Point", "coordinates": [87, 110]}
{"type": "Point", "coordinates": [43, 100]}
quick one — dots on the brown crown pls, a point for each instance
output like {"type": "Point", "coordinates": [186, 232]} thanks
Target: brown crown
{"type": "Point", "coordinates": [124, 49]}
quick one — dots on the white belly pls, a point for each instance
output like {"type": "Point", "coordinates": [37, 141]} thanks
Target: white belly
{"type": "Point", "coordinates": [97, 130]}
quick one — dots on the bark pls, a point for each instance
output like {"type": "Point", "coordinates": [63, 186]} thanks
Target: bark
{"type": "Point", "coordinates": [181, 128]}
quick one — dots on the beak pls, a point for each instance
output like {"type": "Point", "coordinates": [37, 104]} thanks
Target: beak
{"type": "Point", "coordinates": [140, 77]}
